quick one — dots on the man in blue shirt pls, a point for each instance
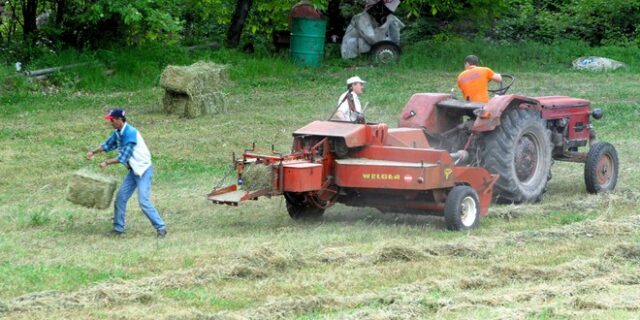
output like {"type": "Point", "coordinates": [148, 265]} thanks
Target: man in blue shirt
{"type": "Point", "coordinates": [135, 156]}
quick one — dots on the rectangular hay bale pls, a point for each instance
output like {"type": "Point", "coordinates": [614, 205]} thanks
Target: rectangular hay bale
{"type": "Point", "coordinates": [198, 78]}
{"type": "Point", "coordinates": [91, 189]}
{"type": "Point", "coordinates": [174, 102]}
{"type": "Point", "coordinates": [210, 103]}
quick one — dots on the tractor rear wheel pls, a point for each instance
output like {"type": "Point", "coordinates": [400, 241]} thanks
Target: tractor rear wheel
{"type": "Point", "coordinates": [601, 168]}
{"type": "Point", "coordinates": [519, 150]}
{"type": "Point", "coordinates": [299, 208]}
{"type": "Point", "coordinates": [462, 209]}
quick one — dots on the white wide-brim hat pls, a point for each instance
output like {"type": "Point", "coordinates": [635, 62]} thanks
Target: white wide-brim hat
{"type": "Point", "coordinates": [355, 79]}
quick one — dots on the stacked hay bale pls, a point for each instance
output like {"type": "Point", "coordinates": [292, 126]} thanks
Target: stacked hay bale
{"type": "Point", "coordinates": [91, 189]}
{"type": "Point", "coordinates": [194, 90]}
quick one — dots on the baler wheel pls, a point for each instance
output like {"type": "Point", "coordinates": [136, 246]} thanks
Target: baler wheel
{"type": "Point", "coordinates": [299, 208]}
{"type": "Point", "coordinates": [601, 168]}
{"type": "Point", "coordinates": [462, 209]}
{"type": "Point", "coordinates": [519, 150]}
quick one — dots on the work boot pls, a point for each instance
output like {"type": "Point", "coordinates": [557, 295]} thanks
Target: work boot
{"type": "Point", "coordinates": [161, 233]}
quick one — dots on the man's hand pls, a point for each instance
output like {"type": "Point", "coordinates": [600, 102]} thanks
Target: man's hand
{"type": "Point", "coordinates": [90, 155]}
{"type": "Point", "coordinates": [103, 164]}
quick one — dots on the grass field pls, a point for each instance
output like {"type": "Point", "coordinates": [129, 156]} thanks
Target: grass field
{"type": "Point", "coordinates": [573, 255]}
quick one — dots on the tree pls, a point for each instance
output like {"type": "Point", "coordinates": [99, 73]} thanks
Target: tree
{"type": "Point", "coordinates": [336, 21]}
{"type": "Point", "coordinates": [29, 14]}
{"type": "Point", "coordinates": [237, 22]}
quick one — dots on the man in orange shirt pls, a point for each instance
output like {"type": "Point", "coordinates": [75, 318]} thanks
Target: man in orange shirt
{"type": "Point", "coordinates": [474, 80]}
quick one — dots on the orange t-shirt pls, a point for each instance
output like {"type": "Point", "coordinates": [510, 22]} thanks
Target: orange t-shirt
{"type": "Point", "coordinates": [474, 83]}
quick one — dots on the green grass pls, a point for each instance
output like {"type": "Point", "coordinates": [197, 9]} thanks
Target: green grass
{"type": "Point", "coordinates": [558, 259]}
{"type": "Point", "coordinates": [205, 299]}
{"type": "Point", "coordinates": [33, 278]}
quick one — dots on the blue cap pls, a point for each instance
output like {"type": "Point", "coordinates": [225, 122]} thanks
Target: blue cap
{"type": "Point", "coordinates": [115, 113]}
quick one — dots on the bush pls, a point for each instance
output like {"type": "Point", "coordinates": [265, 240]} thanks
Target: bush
{"type": "Point", "coordinates": [598, 22]}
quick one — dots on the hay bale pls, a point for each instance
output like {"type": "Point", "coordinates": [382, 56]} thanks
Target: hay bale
{"type": "Point", "coordinates": [257, 177]}
{"type": "Point", "coordinates": [211, 103]}
{"type": "Point", "coordinates": [91, 189]}
{"type": "Point", "coordinates": [174, 102]}
{"type": "Point", "coordinates": [195, 90]}
{"type": "Point", "coordinates": [193, 109]}
{"type": "Point", "coordinates": [194, 79]}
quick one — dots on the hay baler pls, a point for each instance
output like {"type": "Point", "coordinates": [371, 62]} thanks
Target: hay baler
{"type": "Point", "coordinates": [364, 165]}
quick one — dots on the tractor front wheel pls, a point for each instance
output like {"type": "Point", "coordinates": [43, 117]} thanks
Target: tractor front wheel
{"type": "Point", "coordinates": [519, 150]}
{"type": "Point", "coordinates": [601, 168]}
{"type": "Point", "coordinates": [300, 208]}
{"type": "Point", "coordinates": [462, 209]}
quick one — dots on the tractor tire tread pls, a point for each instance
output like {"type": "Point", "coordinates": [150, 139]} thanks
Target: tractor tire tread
{"type": "Point", "coordinates": [498, 156]}
{"type": "Point", "coordinates": [596, 151]}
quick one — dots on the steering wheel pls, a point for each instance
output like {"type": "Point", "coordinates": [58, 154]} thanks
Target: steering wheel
{"type": "Point", "coordinates": [507, 81]}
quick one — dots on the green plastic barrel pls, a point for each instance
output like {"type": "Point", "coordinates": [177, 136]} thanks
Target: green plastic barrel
{"type": "Point", "coordinates": [307, 41]}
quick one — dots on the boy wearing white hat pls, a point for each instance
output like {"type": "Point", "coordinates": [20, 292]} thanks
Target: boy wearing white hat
{"type": "Point", "coordinates": [349, 104]}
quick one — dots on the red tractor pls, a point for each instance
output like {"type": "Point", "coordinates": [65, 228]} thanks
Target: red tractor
{"type": "Point", "coordinates": [444, 159]}
{"type": "Point", "coordinates": [518, 138]}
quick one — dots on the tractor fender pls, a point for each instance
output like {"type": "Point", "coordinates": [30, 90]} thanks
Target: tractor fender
{"type": "Point", "coordinates": [421, 112]}
{"type": "Point", "coordinates": [489, 116]}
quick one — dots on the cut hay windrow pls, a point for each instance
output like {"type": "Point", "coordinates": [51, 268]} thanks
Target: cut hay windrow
{"type": "Point", "coordinates": [392, 253]}
{"type": "Point", "coordinates": [195, 90]}
{"type": "Point", "coordinates": [91, 189]}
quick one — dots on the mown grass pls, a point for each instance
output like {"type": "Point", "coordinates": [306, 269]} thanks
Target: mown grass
{"type": "Point", "coordinates": [572, 255]}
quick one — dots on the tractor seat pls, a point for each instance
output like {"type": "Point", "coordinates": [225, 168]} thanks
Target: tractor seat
{"type": "Point", "coordinates": [556, 102]}
{"type": "Point", "coordinates": [458, 104]}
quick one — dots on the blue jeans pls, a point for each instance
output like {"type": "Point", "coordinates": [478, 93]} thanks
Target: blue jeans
{"type": "Point", "coordinates": [129, 185]}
